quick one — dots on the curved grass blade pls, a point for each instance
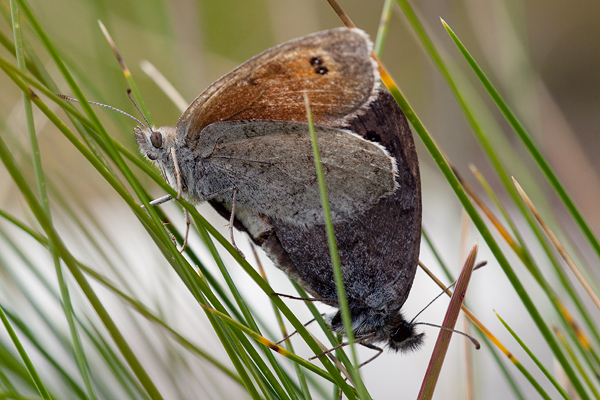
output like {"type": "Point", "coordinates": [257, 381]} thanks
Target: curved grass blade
{"type": "Point", "coordinates": [538, 363]}
{"type": "Point", "coordinates": [136, 93]}
{"type": "Point", "coordinates": [45, 203]}
{"type": "Point", "coordinates": [451, 178]}
{"type": "Point", "coordinates": [586, 286]}
{"type": "Point", "coordinates": [528, 141]}
{"type": "Point", "coordinates": [384, 24]}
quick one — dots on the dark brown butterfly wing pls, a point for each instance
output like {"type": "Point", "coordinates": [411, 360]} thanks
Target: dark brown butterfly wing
{"type": "Point", "coordinates": [379, 249]}
{"type": "Point", "coordinates": [334, 67]}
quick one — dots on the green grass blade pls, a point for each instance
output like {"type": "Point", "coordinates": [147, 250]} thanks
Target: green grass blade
{"type": "Point", "coordinates": [538, 363]}
{"type": "Point", "coordinates": [30, 368]}
{"type": "Point", "coordinates": [200, 221]}
{"type": "Point", "coordinates": [20, 180]}
{"type": "Point", "coordinates": [288, 344]}
{"type": "Point", "coordinates": [525, 255]}
{"type": "Point", "coordinates": [139, 307]}
{"type": "Point", "coordinates": [130, 81]}
{"type": "Point", "coordinates": [280, 350]}
{"type": "Point", "coordinates": [590, 384]}
{"type": "Point", "coordinates": [111, 150]}
{"type": "Point", "coordinates": [507, 375]}
{"type": "Point", "coordinates": [249, 319]}
{"type": "Point", "coordinates": [451, 178]}
{"type": "Point", "coordinates": [528, 141]}
{"type": "Point", "coordinates": [335, 259]}
{"type": "Point", "coordinates": [384, 24]}
{"type": "Point", "coordinates": [43, 197]}
{"type": "Point", "coordinates": [67, 380]}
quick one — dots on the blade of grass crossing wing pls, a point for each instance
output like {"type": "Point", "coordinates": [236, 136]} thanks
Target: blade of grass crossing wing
{"type": "Point", "coordinates": [285, 379]}
{"type": "Point", "coordinates": [335, 260]}
{"type": "Point", "coordinates": [288, 344]}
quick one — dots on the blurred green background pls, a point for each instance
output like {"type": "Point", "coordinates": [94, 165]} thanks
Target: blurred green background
{"type": "Point", "coordinates": [543, 56]}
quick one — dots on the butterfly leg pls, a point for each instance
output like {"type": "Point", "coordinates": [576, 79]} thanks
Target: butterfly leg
{"type": "Point", "coordinates": [372, 347]}
{"type": "Point", "coordinates": [232, 216]}
{"type": "Point", "coordinates": [177, 173]}
{"type": "Point", "coordinates": [287, 296]}
{"type": "Point", "coordinates": [359, 341]}
{"type": "Point", "coordinates": [293, 333]}
{"type": "Point", "coordinates": [188, 222]}
{"type": "Point", "coordinates": [326, 352]}
{"type": "Point", "coordinates": [173, 238]}
{"type": "Point", "coordinates": [231, 220]}
{"type": "Point", "coordinates": [164, 199]}
{"type": "Point", "coordinates": [160, 200]}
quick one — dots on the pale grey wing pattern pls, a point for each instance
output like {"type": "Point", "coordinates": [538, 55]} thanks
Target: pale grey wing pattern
{"type": "Point", "coordinates": [271, 164]}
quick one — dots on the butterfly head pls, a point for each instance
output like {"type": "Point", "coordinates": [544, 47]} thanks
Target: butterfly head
{"type": "Point", "coordinates": [405, 337]}
{"type": "Point", "coordinates": [159, 145]}
{"type": "Point", "coordinates": [389, 328]}
{"type": "Point", "coordinates": [155, 144]}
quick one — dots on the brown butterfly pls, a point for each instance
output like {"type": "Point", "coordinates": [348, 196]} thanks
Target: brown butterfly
{"type": "Point", "coordinates": [244, 146]}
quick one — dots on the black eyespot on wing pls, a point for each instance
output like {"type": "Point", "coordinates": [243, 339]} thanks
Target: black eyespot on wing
{"type": "Point", "coordinates": [373, 136]}
{"type": "Point", "coordinates": [321, 70]}
{"type": "Point", "coordinates": [151, 156]}
{"type": "Point", "coordinates": [156, 139]}
{"type": "Point", "coordinates": [315, 61]}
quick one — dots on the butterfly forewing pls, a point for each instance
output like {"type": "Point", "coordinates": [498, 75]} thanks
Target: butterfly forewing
{"type": "Point", "coordinates": [335, 70]}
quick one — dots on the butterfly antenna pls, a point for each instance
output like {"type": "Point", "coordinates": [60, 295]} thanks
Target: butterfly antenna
{"type": "Point", "coordinates": [73, 99]}
{"type": "Point", "coordinates": [471, 338]}
{"type": "Point", "coordinates": [431, 302]}
{"type": "Point", "coordinates": [138, 109]}
{"type": "Point", "coordinates": [479, 265]}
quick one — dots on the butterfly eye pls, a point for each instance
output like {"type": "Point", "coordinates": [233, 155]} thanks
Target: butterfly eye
{"type": "Point", "coordinates": [156, 139]}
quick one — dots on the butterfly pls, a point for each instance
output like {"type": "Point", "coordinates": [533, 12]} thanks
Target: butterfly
{"type": "Point", "coordinates": [244, 146]}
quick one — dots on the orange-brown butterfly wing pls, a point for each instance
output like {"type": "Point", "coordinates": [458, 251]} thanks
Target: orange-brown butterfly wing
{"type": "Point", "coordinates": [334, 67]}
